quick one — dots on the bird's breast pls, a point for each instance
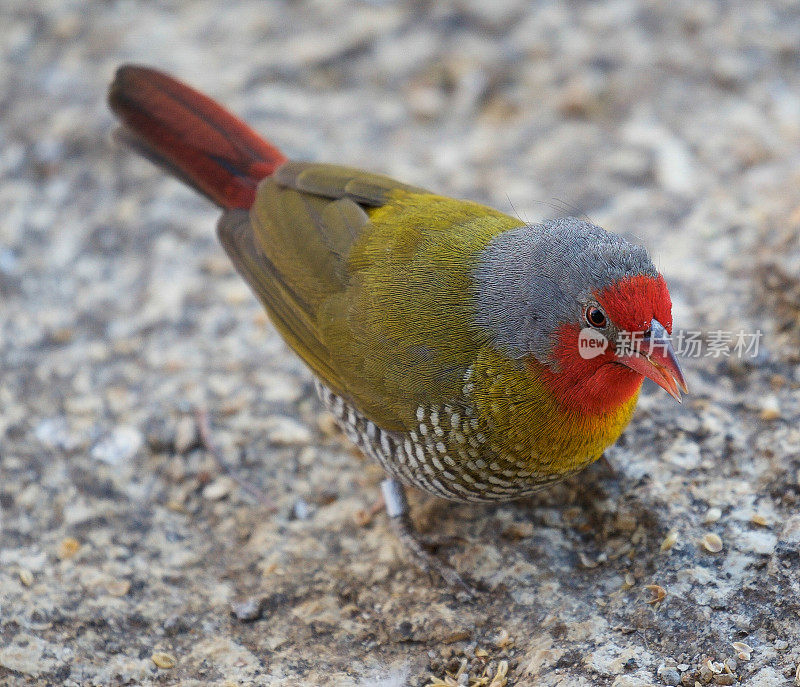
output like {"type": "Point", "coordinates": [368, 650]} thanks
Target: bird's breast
{"type": "Point", "coordinates": [501, 438]}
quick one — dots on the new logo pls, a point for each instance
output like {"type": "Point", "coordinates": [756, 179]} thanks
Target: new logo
{"type": "Point", "coordinates": [591, 343]}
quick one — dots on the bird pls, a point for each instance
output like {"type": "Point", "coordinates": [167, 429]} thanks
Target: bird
{"type": "Point", "coordinates": [473, 355]}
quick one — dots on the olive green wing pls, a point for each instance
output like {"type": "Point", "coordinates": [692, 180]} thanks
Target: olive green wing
{"type": "Point", "coordinates": [290, 314]}
{"type": "Point", "coordinates": [368, 280]}
{"type": "Point", "coordinates": [292, 248]}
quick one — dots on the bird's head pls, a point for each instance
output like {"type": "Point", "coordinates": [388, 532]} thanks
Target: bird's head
{"type": "Point", "coordinates": [585, 310]}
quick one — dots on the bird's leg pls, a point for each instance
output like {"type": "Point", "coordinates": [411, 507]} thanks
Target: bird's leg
{"type": "Point", "coordinates": [394, 496]}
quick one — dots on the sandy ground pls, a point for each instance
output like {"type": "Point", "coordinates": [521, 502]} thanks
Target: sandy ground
{"type": "Point", "coordinates": [126, 544]}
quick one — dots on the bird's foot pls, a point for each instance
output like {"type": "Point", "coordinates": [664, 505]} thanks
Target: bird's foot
{"type": "Point", "coordinates": [397, 509]}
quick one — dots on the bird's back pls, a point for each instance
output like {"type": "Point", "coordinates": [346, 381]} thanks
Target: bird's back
{"type": "Point", "coordinates": [368, 280]}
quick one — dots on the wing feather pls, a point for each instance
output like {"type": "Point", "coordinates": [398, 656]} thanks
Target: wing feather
{"type": "Point", "coordinates": [368, 280]}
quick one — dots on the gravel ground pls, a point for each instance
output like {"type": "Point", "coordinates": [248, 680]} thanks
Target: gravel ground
{"type": "Point", "coordinates": [133, 554]}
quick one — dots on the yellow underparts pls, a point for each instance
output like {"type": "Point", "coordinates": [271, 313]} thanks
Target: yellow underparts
{"type": "Point", "coordinates": [528, 429]}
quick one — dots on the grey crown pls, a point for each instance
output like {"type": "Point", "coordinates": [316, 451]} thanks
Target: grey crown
{"type": "Point", "coordinates": [543, 275]}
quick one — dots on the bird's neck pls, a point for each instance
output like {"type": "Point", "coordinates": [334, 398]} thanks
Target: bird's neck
{"type": "Point", "coordinates": [538, 424]}
{"type": "Point", "coordinates": [588, 388]}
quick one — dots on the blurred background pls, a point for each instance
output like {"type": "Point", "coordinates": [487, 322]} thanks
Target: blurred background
{"type": "Point", "coordinates": [175, 506]}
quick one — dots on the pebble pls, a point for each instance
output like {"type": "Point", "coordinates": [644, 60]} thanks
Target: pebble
{"type": "Point", "coordinates": [286, 431]}
{"type": "Point", "coordinates": [219, 489]}
{"type": "Point", "coordinates": [118, 587]}
{"type": "Point", "coordinates": [185, 434]}
{"type": "Point", "coordinates": [248, 610]}
{"type": "Point", "coordinates": [301, 510]}
{"type": "Point", "coordinates": [770, 408]}
{"type": "Point", "coordinates": [119, 446]}
{"type": "Point", "coordinates": [684, 453]}
{"type": "Point", "coordinates": [54, 433]}
{"type": "Point", "coordinates": [669, 676]}
{"type": "Point", "coordinates": [675, 165]}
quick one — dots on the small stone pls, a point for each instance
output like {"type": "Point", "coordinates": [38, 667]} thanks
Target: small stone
{"type": "Point", "coordinates": [163, 660]}
{"type": "Point", "coordinates": [185, 434]}
{"type": "Point", "coordinates": [247, 611]}
{"type": "Point", "coordinates": [118, 587]}
{"type": "Point", "coordinates": [54, 433]}
{"type": "Point", "coordinates": [712, 515]}
{"type": "Point", "coordinates": [218, 489]}
{"type": "Point", "coordinates": [25, 576]}
{"type": "Point", "coordinates": [675, 164]}
{"type": "Point", "coordinates": [712, 542]}
{"type": "Point", "coordinates": [669, 676]}
{"type": "Point", "coordinates": [68, 548]}
{"type": "Point", "coordinates": [724, 679]}
{"type": "Point", "coordinates": [119, 446]}
{"type": "Point", "coordinates": [770, 408]}
{"type": "Point", "coordinates": [301, 510]}
{"type": "Point", "coordinates": [758, 519]}
{"type": "Point", "coordinates": [285, 431]}
{"type": "Point", "coordinates": [759, 541]}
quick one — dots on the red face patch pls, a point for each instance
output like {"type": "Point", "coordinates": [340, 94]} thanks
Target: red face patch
{"type": "Point", "coordinates": [632, 303]}
{"type": "Point", "coordinates": [588, 384]}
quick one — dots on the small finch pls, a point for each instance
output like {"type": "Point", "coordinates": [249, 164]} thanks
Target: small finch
{"type": "Point", "coordinates": [472, 355]}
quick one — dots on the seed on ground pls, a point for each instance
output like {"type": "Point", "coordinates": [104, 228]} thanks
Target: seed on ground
{"type": "Point", "coordinates": [163, 660]}
{"type": "Point", "coordinates": [68, 548]}
{"type": "Point", "coordinates": [712, 542]}
{"type": "Point", "coordinates": [669, 541]}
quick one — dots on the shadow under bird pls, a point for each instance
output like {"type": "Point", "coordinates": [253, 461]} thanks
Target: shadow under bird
{"type": "Point", "coordinates": [472, 355]}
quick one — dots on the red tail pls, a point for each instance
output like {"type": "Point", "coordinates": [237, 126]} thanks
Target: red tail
{"type": "Point", "coordinates": [190, 135]}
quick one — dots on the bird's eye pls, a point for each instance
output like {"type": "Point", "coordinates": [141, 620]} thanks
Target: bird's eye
{"type": "Point", "coordinates": [595, 317]}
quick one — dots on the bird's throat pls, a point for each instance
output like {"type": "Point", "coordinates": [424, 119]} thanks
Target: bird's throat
{"type": "Point", "coordinates": [551, 427]}
{"type": "Point", "coordinates": [590, 389]}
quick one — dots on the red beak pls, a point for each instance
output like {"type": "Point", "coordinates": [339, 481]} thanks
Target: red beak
{"type": "Point", "coordinates": [652, 355]}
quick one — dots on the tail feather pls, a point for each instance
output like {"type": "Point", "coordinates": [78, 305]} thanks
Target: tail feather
{"type": "Point", "coordinates": [191, 136]}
